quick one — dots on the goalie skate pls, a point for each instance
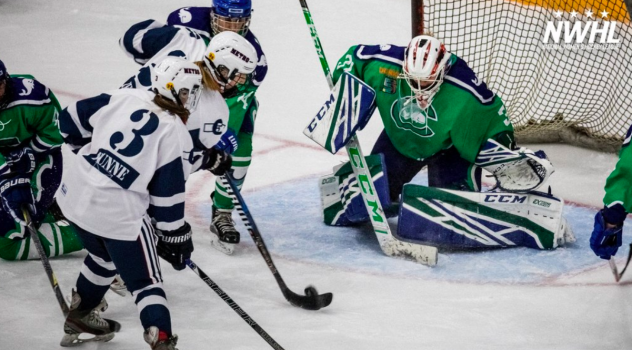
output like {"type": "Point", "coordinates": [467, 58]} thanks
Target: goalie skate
{"type": "Point", "coordinates": [224, 236]}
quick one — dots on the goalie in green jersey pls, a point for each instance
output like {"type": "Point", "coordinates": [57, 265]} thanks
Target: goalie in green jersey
{"type": "Point", "coordinates": [606, 237]}
{"type": "Point", "coordinates": [30, 168]}
{"type": "Point", "coordinates": [437, 113]}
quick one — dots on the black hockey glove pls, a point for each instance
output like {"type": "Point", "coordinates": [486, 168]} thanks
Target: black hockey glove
{"type": "Point", "coordinates": [216, 161]}
{"type": "Point", "coordinates": [15, 193]}
{"type": "Point", "coordinates": [22, 161]}
{"type": "Point", "coordinates": [176, 246]}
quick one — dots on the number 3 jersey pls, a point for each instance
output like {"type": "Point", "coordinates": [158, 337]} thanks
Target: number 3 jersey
{"type": "Point", "coordinates": [133, 159]}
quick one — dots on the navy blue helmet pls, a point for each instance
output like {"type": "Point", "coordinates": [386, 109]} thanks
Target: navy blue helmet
{"type": "Point", "coordinates": [231, 15]}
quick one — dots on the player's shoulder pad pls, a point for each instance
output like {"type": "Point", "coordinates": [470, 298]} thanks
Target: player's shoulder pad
{"type": "Point", "coordinates": [28, 91]}
{"type": "Point", "coordinates": [386, 53]}
{"type": "Point", "coordinates": [462, 76]}
{"type": "Point", "coordinates": [198, 18]}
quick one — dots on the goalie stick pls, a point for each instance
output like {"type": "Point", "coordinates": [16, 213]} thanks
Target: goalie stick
{"type": "Point", "coordinates": [312, 300]}
{"type": "Point", "coordinates": [615, 270]}
{"type": "Point", "coordinates": [233, 305]}
{"type": "Point", "coordinates": [47, 267]}
{"type": "Point", "coordinates": [390, 245]}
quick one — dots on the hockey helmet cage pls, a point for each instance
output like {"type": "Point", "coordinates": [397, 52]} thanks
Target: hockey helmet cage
{"type": "Point", "coordinates": [424, 66]}
{"type": "Point", "coordinates": [231, 15]}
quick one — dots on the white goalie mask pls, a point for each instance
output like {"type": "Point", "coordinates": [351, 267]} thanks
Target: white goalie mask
{"type": "Point", "coordinates": [230, 59]}
{"type": "Point", "coordinates": [178, 80]}
{"type": "Point", "coordinates": [425, 63]}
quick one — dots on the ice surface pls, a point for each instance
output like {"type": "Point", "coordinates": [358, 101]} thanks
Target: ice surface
{"type": "Point", "coordinates": [513, 298]}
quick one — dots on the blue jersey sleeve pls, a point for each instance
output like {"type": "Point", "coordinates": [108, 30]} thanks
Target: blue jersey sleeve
{"type": "Point", "coordinates": [143, 40]}
{"type": "Point", "coordinates": [74, 121]}
{"type": "Point", "coordinates": [166, 196]}
{"type": "Point", "coordinates": [462, 76]}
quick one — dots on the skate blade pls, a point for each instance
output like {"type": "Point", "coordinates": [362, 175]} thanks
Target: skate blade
{"type": "Point", "coordinates": [70, 340]}
{"type": "Point", "coordinates": [226, 248]}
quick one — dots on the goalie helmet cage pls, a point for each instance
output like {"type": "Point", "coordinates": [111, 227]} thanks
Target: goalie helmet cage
{"type": "Point", "coordinates": [578, 96]}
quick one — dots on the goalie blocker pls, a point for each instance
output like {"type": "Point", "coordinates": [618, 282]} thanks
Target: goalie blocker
{"type": "Point", "coordinates": [457, 219]}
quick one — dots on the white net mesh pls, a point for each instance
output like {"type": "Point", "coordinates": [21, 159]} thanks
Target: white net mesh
{"type": "Point", "coordinates": [581, 96]}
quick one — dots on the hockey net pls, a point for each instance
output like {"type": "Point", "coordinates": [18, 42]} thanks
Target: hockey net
{"type": "Point", "coordinates": [575, 95]}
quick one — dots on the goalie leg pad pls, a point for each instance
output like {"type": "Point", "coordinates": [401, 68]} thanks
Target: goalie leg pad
{"type": "Point", "coordinates": [456, 219]}
{"type": "Point", "coordinates": [341, 199]}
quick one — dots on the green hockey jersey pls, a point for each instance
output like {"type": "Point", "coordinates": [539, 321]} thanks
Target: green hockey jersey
{"type": "Point", "coordinates": [463, 114]}
{"type": "Point", "coordinates": [30, 118]}
{"type": "Point", "coordinates": [619, 183]}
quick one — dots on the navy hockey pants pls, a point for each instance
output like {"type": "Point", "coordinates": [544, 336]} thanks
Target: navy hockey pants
{"type": "Point", "coordinates": [446, 169]}
{"type": "Point", "coordinates": [138, 265]}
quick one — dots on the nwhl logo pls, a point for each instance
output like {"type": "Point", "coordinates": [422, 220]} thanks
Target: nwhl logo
{"type": "Point", "coordinates": [595, 32]}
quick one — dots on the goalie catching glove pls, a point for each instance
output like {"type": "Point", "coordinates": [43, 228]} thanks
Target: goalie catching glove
{"type": "Point", "coordinates": [176, 246]}
{"type": "Point", "coordinates": [519, 170]}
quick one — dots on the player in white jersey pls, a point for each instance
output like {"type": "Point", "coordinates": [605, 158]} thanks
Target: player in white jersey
{"type": "Point", "coordinates": [228, 59]}
{"type": "Point", "coordinates": [183, 34]}
{"type": "Point", "coordinates": [134, 154]}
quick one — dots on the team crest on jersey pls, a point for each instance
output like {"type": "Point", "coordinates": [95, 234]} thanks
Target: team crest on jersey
{"type": "Point", "coordinates": [29, 85]}
{"type": "Point", "coordinates": [185, 16]}
{"type": "Point", "coordinates": [407, 115]}
{"type": "Point", "coordinates": [2, 125]}
{"type": "Point", "coordinates": [216, 128]}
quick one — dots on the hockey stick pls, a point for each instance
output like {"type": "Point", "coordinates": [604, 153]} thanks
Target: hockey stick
{"type": "Point", "coordinates": [390, 245]}
{"type": "Point", "coordinates": [311, 300]}
{"type": "Point", "coordinates": [615, 270]}
{"type": "Point", "coordinates": [47, 267]}
{"type": "Point", "coordinates": [234, 305]}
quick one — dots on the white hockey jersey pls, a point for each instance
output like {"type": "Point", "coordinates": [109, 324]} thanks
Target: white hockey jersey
{"type": "Point", "coordinates": [133, 161]}
{"type": "Point", "coordinates": [209, 121]}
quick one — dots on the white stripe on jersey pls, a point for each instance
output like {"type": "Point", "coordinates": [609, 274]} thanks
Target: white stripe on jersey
{"type": "Point", "coordinates": [151, 300]}
{"type": "Point", "coordinates": [469, 88]}
{"type": "Point", "coordinates": [167, 201]}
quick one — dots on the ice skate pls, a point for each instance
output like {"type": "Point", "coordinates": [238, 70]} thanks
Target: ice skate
{"type": "Point", "coordinates": [224, 236]}
{"type": "Point", "coordinates": [159, 340]}
{"type": "Point", "coordinates": [87, 326]}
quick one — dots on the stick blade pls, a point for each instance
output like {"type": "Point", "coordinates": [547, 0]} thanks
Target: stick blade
{"type": "Point", "coordinates": [614, 269]}
{"type": "Point", "coordinates": [311, 300]}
